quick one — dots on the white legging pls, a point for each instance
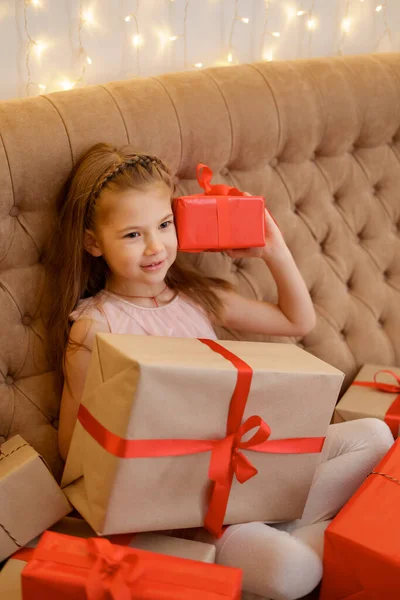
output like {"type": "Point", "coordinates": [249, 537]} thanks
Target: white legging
{"type": "Point", "coordinates": [284, 562]}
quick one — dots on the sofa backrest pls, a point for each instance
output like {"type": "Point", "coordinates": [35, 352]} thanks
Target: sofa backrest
{"type": "Point", "coordinates": [320, 139]}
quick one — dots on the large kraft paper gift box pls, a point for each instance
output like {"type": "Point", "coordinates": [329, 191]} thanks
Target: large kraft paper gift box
{"type": "Point", "coordinates": [30, 498]}
{"type": "Point", "coordinates": [361, 547]}
{"type": "Point", "coordinates": [160, 417]}
{"type": "Point", "coordinates": [375, 392]}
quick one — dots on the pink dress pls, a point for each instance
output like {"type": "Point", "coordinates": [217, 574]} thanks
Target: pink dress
{"type": "Point", "coordinates": [178, 318]}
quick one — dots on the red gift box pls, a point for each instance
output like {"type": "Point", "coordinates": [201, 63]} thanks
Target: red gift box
{"type": "Point", "coordinates": [222, 218]}
{"type": "Point", "coordinates": [361, 550]}
{"type": "Point", "coordinates": [70, 568]}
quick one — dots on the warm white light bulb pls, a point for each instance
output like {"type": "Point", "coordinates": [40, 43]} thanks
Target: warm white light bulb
{"type": "Point", "coordinates": [173, 38]}
{"type": "Point", "coordinates": [245, 20]}
{"type": "Point", "coordinates": [89, 60]}
{"type": "Point", "coordinates": [230, 57]}
{"type": "Point", "coordinates": [39, 48]}
{"type": "Point", "coordinates": [36, 2]}
{"type": "Point", "coordinates": [41, 86]}
{"type": "Point", "coordinates": [379, 8]}
{"type": "Point", "coordinates": [346, 24]}
{"type": "Point", "coordinates": [198, 65]}
{"type": "Point", "coordinates": [300, 13]}
{"type": "Point", "coordinates": [128, 18]}
{"type": "Point", "coordinates": [137, 40]}
{"type": "Point", "coordinates": [276, 34]}
{"type": "Point", "coordinates": [88, 16]}
{"type": "Point", "coordinates": [66, 84]}
{"type": "Point", "coordinates": [268, 55]}
{"type": "Point", "coordinates": [312, 24]}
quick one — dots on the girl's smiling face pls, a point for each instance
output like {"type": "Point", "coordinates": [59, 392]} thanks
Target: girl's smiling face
{"type": "Point", "coordinates": [135, 233]}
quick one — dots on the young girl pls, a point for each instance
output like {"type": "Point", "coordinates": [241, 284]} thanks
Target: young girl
{"type": "Point", "coordinates": [115, 268]}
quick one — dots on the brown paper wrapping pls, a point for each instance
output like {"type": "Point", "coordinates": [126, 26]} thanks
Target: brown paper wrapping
{"type": "Point", "coordinates": [153, 542]}
{"type": "Point", "coordinates": [359, 402]}
{"type": "Point", "coordinates": [30, 499]}
{"type": "Point", "coordinates": [142, 387]}
{"type": "Point", "coordinates": [10, 580]}
{"type": "Point", "coordinates": [166, 544]}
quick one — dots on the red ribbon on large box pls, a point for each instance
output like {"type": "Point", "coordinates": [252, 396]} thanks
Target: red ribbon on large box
{"type": "Point", "coordinates": [94, 569]}
{"type": "Point", "coordinates": [226, 458]}
{"type": "Point", "coordinates": [392, 416]}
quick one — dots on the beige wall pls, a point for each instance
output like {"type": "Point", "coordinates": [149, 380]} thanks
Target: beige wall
{"type": "Point", "coordinates": [212, 33]}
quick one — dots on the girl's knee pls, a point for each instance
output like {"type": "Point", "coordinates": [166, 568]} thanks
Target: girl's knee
{"type": "Point", "coordinates": [372, 435]}
{"type": "Point", "coordinates": [377, 435]}
{"type": "Point", "coordinates": [274, 564]}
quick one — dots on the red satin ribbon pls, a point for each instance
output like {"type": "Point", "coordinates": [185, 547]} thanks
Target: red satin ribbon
{"type": "Point", "coordinates": [204, 176]}
{"type": "Point", "coordinates": [392, 416]}
{"type": "Point", "coordinates": [226, 458]}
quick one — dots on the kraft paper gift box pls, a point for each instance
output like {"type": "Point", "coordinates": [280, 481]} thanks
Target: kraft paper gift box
{"type": "Point", "coordinates": [167, 544]}
{"type": "Point", "coordinates": [69, 568]}
{"type": "Point", "coordinates": [361, 548]}
{"type": "Point", "coordinates": [154, 542]}
{"type": "Point", "coordinates": [10, 580]}
{"type": "Point", "coordinates": [160, 416]}
{"type": "Point", "coordinates": [220, 219]}
{"type": "Point", "coordinates": [30, 498]}
{"type": "Point", "coordinates": [10, 575]}
{"type": "Point", "coordinates": [375, 392]}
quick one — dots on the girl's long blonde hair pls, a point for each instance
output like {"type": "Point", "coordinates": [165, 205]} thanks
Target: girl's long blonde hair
{"type": "Point", "coordinates": [73, 273]}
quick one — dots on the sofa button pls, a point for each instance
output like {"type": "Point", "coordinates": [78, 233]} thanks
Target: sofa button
{"type": "Point", "coordinates": [9, 380]}
{"type": "Point", "coordinates": [14, 211]}
{"type": "Point", "coordinates": [274, 162]}
{"type": "Point", "coordinates": [26, 320]}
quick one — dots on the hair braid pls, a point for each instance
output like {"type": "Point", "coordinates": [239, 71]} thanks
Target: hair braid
{"type": "Point", "coordinates": [144, 160]}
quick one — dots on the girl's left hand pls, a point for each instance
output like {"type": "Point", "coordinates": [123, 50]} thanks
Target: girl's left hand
{"type": "Point", "coordinates": [274, 242]}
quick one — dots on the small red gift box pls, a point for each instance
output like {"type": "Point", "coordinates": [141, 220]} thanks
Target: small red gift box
{"type": "Point", "coordinates": [70, 568]}
{"type": "Point", "coordinates": [220, 219]}
{"type": "Point", "coordinates": [361, 549]}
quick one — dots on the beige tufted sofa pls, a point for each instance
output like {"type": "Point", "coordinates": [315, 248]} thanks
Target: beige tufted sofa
{"type": "Point", "coordinates": [320, 139]}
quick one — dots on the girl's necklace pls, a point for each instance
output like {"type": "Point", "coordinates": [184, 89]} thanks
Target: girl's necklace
{"type": "Point", "coordinates": [154, 298]}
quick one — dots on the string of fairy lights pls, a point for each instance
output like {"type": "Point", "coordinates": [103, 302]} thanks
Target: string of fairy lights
{"type": "Point", "coordinates": [137, 39]}
{"type": "Point", "coordinates": [307, 18]}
